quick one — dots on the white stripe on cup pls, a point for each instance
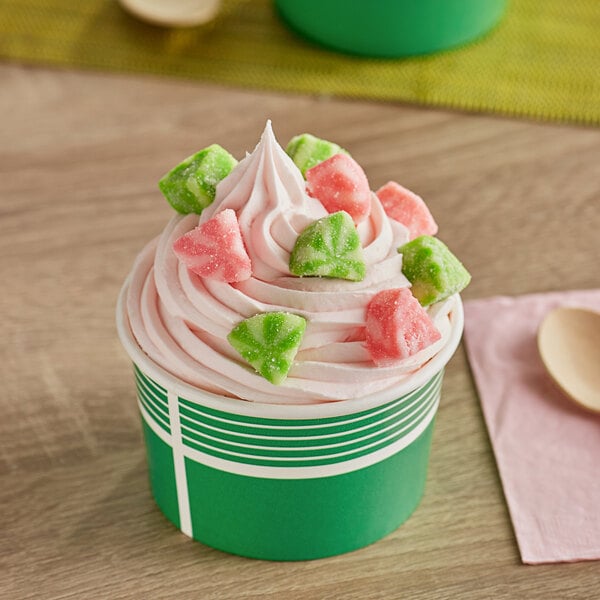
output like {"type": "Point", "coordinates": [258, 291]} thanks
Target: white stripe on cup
{"type": "Point", "coordinates": [424, 402]}
{"type": "Point", "coordinates": [339, 468]}
{"type": "Point", "coordinates": [183, 500]}
{"type": "Point", "coordinates": [416, 399]}
{"type": "Point", "coordinates": [269, 472]}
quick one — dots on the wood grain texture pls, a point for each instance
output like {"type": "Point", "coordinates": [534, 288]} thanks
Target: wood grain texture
{"type": "Point", "coordinates": [80, 155]}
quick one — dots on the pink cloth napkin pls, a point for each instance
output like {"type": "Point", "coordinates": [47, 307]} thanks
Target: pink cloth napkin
{"type": "Point", "coordinates": [547, 449]}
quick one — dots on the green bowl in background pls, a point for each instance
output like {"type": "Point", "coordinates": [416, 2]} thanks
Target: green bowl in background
{"type": "Point", "coordinates": [391, 28]}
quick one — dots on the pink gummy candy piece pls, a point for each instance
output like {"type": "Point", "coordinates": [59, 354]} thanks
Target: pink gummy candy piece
{"type": "Point", "coordinates": [406, 207]}
{"type": "Point", "coordinates": [339, 183]}
{"type": "Point", "coordinates": [397, 326]}
{"type": "Point", "coordinates": [215, 249]}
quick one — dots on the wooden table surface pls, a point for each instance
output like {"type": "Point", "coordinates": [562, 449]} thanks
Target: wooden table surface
{"type": "Point", "coordinates": [80, 155]}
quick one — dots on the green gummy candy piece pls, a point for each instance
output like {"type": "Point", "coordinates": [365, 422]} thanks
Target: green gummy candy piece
{"type": "Point", "coordinates": [306, 151]}
{"type": "Point", "coordinates": [269, 342]}
{"type": "Point", "coordinates": [329, 247]}
{"type": "Point", "coordinates": [434, 272]}
{"type": "Point", "coordinates": [191, 186]}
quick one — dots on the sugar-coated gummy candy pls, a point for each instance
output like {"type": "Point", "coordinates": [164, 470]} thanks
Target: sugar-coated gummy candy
{"type": "Point", "coordinates": [329, 247]}
{"type": "Point", "coordinates": [339, 183]}
{"type": "Point", "coordinates": [306, 151]}
{"type": "Point", "coordinates": [434, 272]}
{"type": "Point", "coordinates": [215, 249]}
{"type": "Point", "coordinates": [407, 208]}
{"type": "Point", "coordinates": [191, 186]}
{"type": "Point", "coordinates": [397, 327]}
{"type": "Point", "coordinates": [269, 342]}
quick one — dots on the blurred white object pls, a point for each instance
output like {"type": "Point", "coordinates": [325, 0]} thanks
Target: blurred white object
{"type": "Point", "coordinates": [173, 13]}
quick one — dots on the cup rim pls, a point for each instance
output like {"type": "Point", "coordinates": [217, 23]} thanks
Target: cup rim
{"type": "Point", "coordinates": [283, 411]}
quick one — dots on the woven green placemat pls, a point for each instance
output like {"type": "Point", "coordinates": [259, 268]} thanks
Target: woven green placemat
{"type": "Point", "coordinates": [542, 61]}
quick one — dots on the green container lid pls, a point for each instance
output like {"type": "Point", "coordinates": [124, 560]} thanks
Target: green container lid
{"type": "Point", "coordinates": [391, 28]}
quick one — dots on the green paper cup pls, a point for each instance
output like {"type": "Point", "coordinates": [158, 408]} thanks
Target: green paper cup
{"type": "Point", "coordinates": [286, 482]}
{"type": "Point", "coordinates": [391, 28]}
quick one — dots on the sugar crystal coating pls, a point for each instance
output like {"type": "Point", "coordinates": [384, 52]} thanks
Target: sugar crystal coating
{"type": "Point", "coordinates": [215, 249]}
{"type": "Point", "coordinates": [434, 272]}
{"type": "Point", "coordinates": [407, 208]}
{"type": "Point", "coordinates": [269, 342]}
{"type": "Point", "coordinates": [329, 247]}
{"type": "Point", "coordinates": [191, 186]}
{"type": "Point", "coordinates": [339, 183]}
{"type": "Point", "coordinates": [306, 151]}
{"type": "Point", "coordinates": [397, 326]}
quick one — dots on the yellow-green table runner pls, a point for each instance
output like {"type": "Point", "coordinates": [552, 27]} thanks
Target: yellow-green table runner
{"type": "Point", "coordinates": [542, 61]}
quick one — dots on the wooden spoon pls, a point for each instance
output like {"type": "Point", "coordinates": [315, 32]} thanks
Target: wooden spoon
{"type": "Point", "coordinates": [173, 13]}
{"type": "Point", "coordinates": [569, 344]}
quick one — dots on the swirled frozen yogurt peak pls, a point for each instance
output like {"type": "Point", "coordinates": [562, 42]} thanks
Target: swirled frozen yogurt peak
{"type": "Point", "coordinates": [281, 278]}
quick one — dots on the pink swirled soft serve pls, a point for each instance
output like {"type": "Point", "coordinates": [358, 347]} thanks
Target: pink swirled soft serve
{"type": "Point", "coordinates": [181, 320]}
